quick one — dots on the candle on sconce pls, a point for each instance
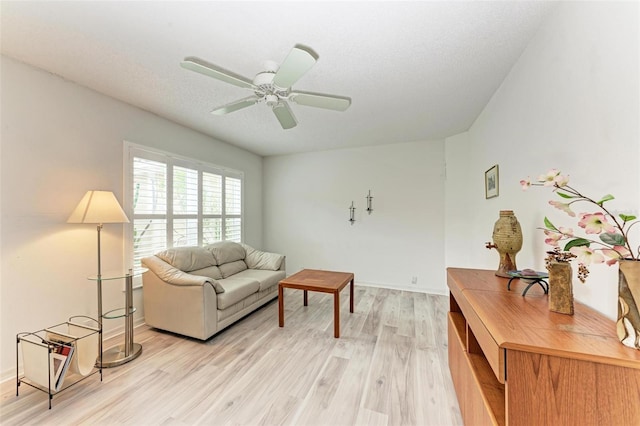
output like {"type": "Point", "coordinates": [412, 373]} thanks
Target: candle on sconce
{"type": "Point", "coordinates": [352, 213]}
{"type": "Point", "coordinates": [369, 203]}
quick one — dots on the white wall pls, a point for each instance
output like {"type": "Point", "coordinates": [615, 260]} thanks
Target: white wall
{"type": "Point", "coordinates": [457, 210]}
{"type": "Point", "coordinates": [58, 141]}
{"type": "Point", "coordinates": [571, 102]}
{"type": "Point", "coordinates": [306, 201]}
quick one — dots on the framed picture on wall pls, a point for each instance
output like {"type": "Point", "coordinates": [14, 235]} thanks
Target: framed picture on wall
{"type": "Point", "coordinates": [491, 182]}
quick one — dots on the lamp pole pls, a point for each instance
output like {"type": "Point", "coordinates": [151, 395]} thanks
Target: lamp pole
{"type": "Point", "coordinates": [99, 285]}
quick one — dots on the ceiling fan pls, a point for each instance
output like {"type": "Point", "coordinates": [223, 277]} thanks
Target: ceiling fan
{"type": "Point", "coordinates": [273, 86]}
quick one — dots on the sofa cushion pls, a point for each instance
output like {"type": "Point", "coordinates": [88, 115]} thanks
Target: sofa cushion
{"type": "Point", "coordinates": [256, 259]}
{"type": "Point", "coordinates": [187, 259]}
{"type": "Point", "coordinates": [226, 252]}
{"type": "Point", "coordinates": [236, 289]}
{"type": "Point", "coordinates": [265, 278]}
{"type": "Point", "coordinates": [232, 268]}
{"type": "Point", "coordinates": [211, 272]}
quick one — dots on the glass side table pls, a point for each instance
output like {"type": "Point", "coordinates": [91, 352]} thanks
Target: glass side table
{"type": "Point", "coordinates": [123, 353]}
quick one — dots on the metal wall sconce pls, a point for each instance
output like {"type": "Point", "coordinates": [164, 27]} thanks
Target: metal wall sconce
{"type": "Point", "coordinates": [352, 213]}
{"type": "Point", "coordinates": [369, 204]}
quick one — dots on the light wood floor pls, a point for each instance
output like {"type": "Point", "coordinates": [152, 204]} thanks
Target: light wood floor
{"type": "Point", "coordinates": [389, 367]}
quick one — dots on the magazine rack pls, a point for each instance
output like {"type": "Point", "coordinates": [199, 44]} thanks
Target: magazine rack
{"type": "Point", "coordinates": [57, 357]}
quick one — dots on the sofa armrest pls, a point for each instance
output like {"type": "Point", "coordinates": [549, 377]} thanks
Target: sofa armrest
{"type": "Point", "coordinates": [258, 259]}
{"type": "Point", "coordinates": [172, 275]}
{"type": "Point", "coordinates": [187, 305]}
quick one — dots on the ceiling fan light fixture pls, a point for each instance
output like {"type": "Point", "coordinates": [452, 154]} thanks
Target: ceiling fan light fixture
{"type": "Point", "coordinates": [270, 66]}
{"type": "Point", "coordinates": [264, 78]}
{"type": "Point", "coordinates": [273, 85]}
{"type": "Point", "coordinates": [272, 100]}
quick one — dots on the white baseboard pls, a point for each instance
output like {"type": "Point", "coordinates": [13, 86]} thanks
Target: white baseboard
{"type": "Point", "coordinates": [414, 289]}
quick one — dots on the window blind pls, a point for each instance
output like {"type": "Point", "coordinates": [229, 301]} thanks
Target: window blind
{"type": "Point", "coordinates": [176, 201]}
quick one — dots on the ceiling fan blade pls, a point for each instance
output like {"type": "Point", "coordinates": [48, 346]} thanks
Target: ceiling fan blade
{"type": "Point", "coordinates": [284, 115]}
{"type": "Point", "coordinates": [295, 65]}
{"type": "Point", "coordinates": [204, 67]}
{"type": "Point", "coordinates": [234, 106]}
{"type": "Point", "coordinates": [320, 100]}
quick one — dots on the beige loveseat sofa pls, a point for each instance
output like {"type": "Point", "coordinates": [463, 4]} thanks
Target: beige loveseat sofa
{"type": "Point", "coordinates": [198, 291]}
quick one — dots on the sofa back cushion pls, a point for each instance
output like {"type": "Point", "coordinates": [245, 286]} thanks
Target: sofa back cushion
{"type": "Point", "coordinates": [232, 268]}
{"type": "Point", "coordinates": [226, 252]}
{"type": "Point", "coordinates": [188, 259]}
{"type": "Point", "coordinates": [209, 271]}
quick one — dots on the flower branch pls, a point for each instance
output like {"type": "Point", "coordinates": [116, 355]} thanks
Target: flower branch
{"type": "Point", "coordinates": [613, 231]}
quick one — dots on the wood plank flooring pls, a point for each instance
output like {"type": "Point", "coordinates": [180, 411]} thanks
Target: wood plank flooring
{"type": "Point", "coordinates": [389, 367]}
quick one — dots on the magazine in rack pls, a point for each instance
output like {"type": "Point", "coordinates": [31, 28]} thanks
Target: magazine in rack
{"type": "Point", "coordinates": [63, 352]}
{"type": "Point", "coordinates": [59, 361]}
{"type": "Point", "coordinates": [60, 355]}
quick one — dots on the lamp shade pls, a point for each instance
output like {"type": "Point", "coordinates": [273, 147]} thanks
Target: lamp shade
{"type": "Point", "coordinates": [98, 207]}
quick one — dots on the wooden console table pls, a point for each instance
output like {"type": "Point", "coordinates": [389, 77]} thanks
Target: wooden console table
{"type": "Point", "coordinates": [513, 362]}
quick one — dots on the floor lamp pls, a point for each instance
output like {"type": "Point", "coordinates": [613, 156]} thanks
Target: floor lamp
{"type": "Point", "coordinates": [98, 207]}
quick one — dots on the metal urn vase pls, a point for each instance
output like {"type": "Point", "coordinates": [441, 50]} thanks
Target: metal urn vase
{"type": "Point", "coordinates": [507, 239]}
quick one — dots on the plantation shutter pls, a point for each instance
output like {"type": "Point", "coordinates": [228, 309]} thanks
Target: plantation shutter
{"type": "Point", "coordinates": [176, 201]}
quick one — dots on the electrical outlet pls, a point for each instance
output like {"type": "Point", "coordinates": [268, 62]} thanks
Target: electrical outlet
{"type": "Point", "coordinates": [414, 280]}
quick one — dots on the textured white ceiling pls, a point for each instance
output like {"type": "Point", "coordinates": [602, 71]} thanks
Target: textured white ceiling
{"type": "Point", "coordinates": [414, 70]}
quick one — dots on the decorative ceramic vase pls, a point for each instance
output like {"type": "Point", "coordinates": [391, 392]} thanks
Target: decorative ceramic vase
{"type": "Point", "coordinates": [560, 287]}
{"type": "Point", "coordinates": [628, 324]}
{"type": "Point", "coordinates": [507, 239]}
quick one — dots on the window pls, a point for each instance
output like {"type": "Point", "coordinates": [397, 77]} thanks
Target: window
{"type": "Point", "coordinates": [175, 201]}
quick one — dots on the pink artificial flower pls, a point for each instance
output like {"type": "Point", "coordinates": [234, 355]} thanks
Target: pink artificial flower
{"type": "Point", "coordinates": [586, 256]}
{"type": "Point", "coordinates": [566, 232]}
{"type": "Point", "coordinates": [624, 252]}
{"type": "Point", "coordinates": [525, 183]}
{"type": "Point", "coordinates": [594, 223]}
{"type": "Point", "coordinates": [561, 181]}
{"type": "Point", "coordinates": [565, 207]}
{"type": "Point", "coordinates": [615, 254]}
{"type": "Point", "coordinates": [612, 255]}
{"type": "Point", "coordinates": [553, 238]}
{"type": "Point", "coordinates": [549, 178]}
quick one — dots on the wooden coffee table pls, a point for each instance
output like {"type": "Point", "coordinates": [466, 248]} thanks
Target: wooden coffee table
{"type": "Point", "coordinates": [322, 281]}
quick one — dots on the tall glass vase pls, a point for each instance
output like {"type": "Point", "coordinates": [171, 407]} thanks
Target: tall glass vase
{"type": "Point", "coordinates": [628, 324]}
